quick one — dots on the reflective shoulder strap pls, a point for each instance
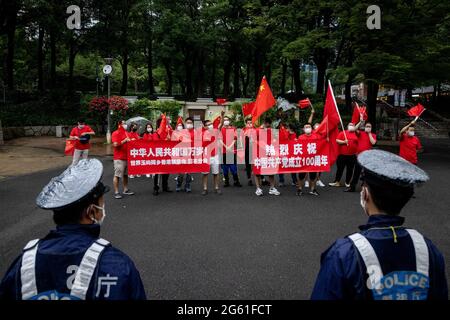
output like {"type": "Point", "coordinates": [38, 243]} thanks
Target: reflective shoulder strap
{"type": "Point", "coordinates": [369, 256]}
{"type": "Point", "coordinates": [421, 249]}
{"type": "Point", "coordinates": [86, 269]}
{"type": "Point", "coordinates": [28, 270]}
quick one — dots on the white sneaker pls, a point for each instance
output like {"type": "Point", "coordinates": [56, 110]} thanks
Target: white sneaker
{"type": "Point", "coordinates": [131, 176]}
{"type": "Point", "coordinates": [306, 184]}
{"type": "Point", "coordinates": [274, 192]}
{"type": "Point", "coordinates": [148, 175]}
{"type": "Point", "coordinates": [347, 185]}
{"type": "Point", "coordinates": [138, 175]}
{"type": "Point", "coordinates": [259, 192]}
{"type": "Point", "coordinates": [320, 184]}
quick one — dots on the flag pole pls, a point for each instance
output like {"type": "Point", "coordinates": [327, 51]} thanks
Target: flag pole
{"type": "Point", "coordinates": [337, 109]}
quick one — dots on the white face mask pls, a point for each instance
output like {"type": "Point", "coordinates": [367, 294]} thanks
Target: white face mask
{"type": "Point", "coordinates": [80, 126]}
{"type": "Point", "coordinates": [189, 126]}
{"type": "Point", "coordinates": [411, 133]}
{"type": "Point", "coordinates": [351, 128]}
{"type": "Point", "coordinates": [149, 130]}
{"type": "Point", "coordinates": [308, 130]}
{"type": "Point", "coordinates": [179, 128]}
{"type": "Point", "coordinates": [100, 222]}
{"type": "Point", "coordinates": [169, 121]}
{"type": "Point", "coordinates": [210, 127]}
{"type": "Point", "coordinates": [368, 130]}
{"type": "Point", "coordinates": [226, 123]}
{"type": "Point", "coordinates": [124, 126]}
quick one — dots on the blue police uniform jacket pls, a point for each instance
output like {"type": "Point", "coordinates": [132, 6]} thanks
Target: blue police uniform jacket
{"type": "Point", "coordinates": [57, 259]}
{"type": "Point", "coordinates": [343, 274]}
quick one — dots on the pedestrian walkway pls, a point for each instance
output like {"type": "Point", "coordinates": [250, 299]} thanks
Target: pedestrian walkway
{"type": "Point", "coordinates": [32, 154]}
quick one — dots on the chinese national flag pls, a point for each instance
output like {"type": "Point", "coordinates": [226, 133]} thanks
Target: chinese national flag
{"type": "Point", "coordinates": [221, 101]}
{"type": "Point", "coordinates": [357, 112]}
{"type": "Point", "coordinates": [179, 121]}
{"type": "Point", "coordinates": [264, 100]}
{"type": "Point", "coordinates": [305, 103]}
{"type": "Point", "coordinates": [247, 108]}
{"type": "Point", "coordinates": [216, 122]}
{"type": "Point", "coordinates": [332, 119]}
{"type": "Point", "coordinates": [162, 130]}
{"type": "Point", "coordinates": [416, 111]}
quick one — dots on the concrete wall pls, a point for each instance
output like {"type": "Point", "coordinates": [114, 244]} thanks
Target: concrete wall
{"type": "Point", "coordinates": [37, 131]}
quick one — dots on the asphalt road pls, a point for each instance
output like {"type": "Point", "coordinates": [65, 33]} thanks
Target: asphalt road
{"type": "Point", "coordinates": [234, 246]}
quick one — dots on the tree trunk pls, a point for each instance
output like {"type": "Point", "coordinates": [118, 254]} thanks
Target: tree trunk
{"type": "Point", "coordinates": [200, 79]}
{"type": "Point", "coordinates": [237, 72]}
{"type": "Point", "coordinates": [257, 71]}
{"type": "Point", "coordinates": [321, 70]}
{"type": "Point", "coordinates": [169, 77]}
{"type": "Point", "coordinates": [226, 76]}
{"type": "Point", "coordinates": [124, 86]}
{"type": "Point", "coordinates": [295, 66]}
{"type": "Point", "coordinates": [283, 77]}
{"type": "Point", "coordinates": [72, 55]}
{"type": "Point", "coordinates": [151, 87]}
{"type": "Point", "coordinates": [213, 75]}
{"type": "Point", "coordinates": [188, 63]}
{"type": "Point", "coordinates": [11, 30]}
{"type": "Point", "coordinates": [372, 92]}
{"type": "Point", "coordinates": [40, 59]}
{"type": "Point", "coordinates": [52, 59]}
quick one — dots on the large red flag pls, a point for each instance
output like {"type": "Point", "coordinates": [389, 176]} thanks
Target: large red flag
{"type": "Point", "coordinates": [305, 103]}
{"type": "Point", "coordinates": [357, 112]}
{"type": "Point", "coordinates": [221, 101]}
{"type": "Point", "coordinates": [216, 122]}
{"type": "Point", "coordinates": [416, 111]}
{"type": "Point", "coordinates": [333, 118]}
{"type": "Point", "coordinates": [247, 108]}
{"type": "Point", "coordinates": [162, 130]}
{"type": "Point", "coordinates": [264, 100]}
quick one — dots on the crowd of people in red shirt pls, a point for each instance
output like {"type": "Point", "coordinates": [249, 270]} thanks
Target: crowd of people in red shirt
{"type": "Point", "coordinates": [358, 137]}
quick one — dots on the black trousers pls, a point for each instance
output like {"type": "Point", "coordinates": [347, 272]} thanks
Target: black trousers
{"type": "Point", "coordinates": [165, 181]}
{"type": "Point", "coordinates": [345, 162]}
{"type": "Point", "coordinates": [248, 166]}
{"type": "Point", "coordinates": [356, 175]}
{"type": "Point", "coordinates": [312, 175]}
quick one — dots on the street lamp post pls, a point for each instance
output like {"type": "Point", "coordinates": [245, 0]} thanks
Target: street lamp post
{"type": "Point", "coordinates": [107, 69]}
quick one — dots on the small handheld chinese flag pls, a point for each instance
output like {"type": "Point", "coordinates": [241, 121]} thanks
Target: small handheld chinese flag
{"type": "Point", "coordinates": [357, 112]}
{"type": "Point", "coordinates": [216, 122]}
{"type": "Point", "coordinates": [180, 120]}
{"type": "Point", "coordinates": [221, 101]}
{"type": "Point", "coordinates": [247, 108]}
{"type": "Point", "coordinates": [305, 103]}
{"type": "Point", "coordinates": [70, 147]}
{"type": "Point", "coordinates": [416, 111]}
{"type": "Point", "coordinates": [264, 100]}
{"type": "Point", "coordinates": [162, 130]}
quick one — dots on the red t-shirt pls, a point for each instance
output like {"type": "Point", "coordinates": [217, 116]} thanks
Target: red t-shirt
{"type": "Point", "coordinates": [292, 136]}
{"type": "Point", "coordinates": [76, 132]}
{"type": "Point", "coordinates": [211, 136]}
{"type": "Point", "coordinates": [306, 137]}
{"type": "Point", "coordinates": [121, 151]}
{"type": "Point", "coordinates": [150, 136]}
{"type": "Point", "coordinates": [364, 141]}
{"type": "Point", "coordinates": [133, 135]}
{"type": "Point", "coordinates": [352, 147]}
{"type": "Point", "coordinates": [227, 134]}
{"type": "Point", "coordinates": [408, 148]}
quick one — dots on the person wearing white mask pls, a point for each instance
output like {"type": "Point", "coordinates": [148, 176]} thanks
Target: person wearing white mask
{"type": "Point", "coordinates": [384, 260]}
{"type": "Point", "coordinates": [229, 151]}
{"type": "Point", "coordinates": [186, 136]}
{"type": "Point", "coordinates": [366, 140]}
{"type": "Point", "coordinates": [348, 149]}
{"type": "Point", "coordinates": [409, 143]}
{"type": "Point", "coordinates": [312, 176]}
{"type": "Point", "coordinates": [71, 261]}
{"type": "Point", "coordinates": [212, 135]}
{"type": "Point", "coordinates": [81, 134]}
